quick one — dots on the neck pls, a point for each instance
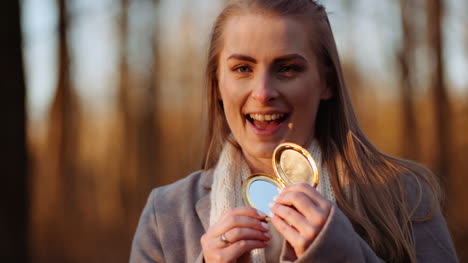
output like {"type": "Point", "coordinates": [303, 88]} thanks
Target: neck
{"type": "Point", "coordinates": [259, 165]}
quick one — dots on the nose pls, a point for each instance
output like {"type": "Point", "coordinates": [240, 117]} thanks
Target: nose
{"type": "Point", "coordinates": [264, 90]}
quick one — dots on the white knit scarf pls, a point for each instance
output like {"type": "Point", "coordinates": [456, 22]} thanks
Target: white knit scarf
{"type": "Point", "coordinates": [231, 170]}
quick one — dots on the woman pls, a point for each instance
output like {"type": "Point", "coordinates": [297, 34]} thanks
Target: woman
{"type": "Point", "coordinates": [274, 76]}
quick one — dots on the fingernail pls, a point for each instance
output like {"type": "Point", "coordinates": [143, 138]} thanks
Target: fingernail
{"type": "Point", "coordinates": [260, 213]}
{"type": "Point", "coordinates": [267, 235]}
{"type": "Point", "coordinates": [265, 225]}
{"type": "Point", "coordinates": [271, 215]}
{"type": "Point", "coordinates": [270, 205]}
{"type": "Point", "coordinates": [275, 198]}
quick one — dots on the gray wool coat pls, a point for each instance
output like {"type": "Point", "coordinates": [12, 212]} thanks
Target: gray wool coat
{"type": "Point", "coordinates": [177, 215]}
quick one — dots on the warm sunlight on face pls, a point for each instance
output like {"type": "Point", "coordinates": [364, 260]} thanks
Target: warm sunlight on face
{"type": "Point", "coordinates": [269, 82]}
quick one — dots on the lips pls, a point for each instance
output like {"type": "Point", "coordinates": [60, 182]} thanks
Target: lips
{"type": "Point", "coordinates": [266, 124]}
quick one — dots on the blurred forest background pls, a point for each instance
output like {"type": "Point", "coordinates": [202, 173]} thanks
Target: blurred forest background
{"type": "Point", "coordinates": [104, 100]}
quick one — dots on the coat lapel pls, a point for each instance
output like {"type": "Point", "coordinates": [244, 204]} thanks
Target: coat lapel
{"type": "Point", "coordinates": [203, 210]}
{"type": "Point", "coordinates": [203, 205]}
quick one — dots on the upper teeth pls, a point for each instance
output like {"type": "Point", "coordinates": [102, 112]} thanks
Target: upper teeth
{"type": "Point", "coordinates": [266, 117]}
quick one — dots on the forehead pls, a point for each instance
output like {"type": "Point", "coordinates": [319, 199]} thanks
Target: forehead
{"type": "Point", "coordinates": [257, 34]}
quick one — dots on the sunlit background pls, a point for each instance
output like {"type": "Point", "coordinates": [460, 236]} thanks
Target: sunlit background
{"type": "Point", "coordinates": [116, 106]}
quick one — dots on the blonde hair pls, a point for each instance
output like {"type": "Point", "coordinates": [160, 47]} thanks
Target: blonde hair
{"type": "Point", "coordinates": [370, 187]}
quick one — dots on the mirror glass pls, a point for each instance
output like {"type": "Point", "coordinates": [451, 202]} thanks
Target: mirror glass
{"type": "Point", "coordinates": [261, 194]}
{"type": "Point", "coordinates": [296, 167]}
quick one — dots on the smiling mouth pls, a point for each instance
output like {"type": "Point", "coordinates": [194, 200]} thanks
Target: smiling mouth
{"type": "Point", "coordinates": [266, 122]}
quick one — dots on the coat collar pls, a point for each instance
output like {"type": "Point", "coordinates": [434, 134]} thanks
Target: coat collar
{"type": "Point", "coordinates": [203, 204]}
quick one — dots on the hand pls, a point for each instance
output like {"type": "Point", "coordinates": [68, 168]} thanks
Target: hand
{"type": "Point", "coordinates": [299, 213]}
{"type": "Point", "coordinates": [244, 230]}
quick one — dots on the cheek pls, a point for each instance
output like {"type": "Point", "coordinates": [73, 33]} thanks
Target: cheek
{"type": "Point", "coordinates": [231, 101]}
{"type": "Point", "coordinates": [305, 95]}
{"type": "Point", "coordinates": [233, 93]}
{"type": "Point", "coordinates": [226, 86]}
{"type": "Point", "coordinates": [305, 102]}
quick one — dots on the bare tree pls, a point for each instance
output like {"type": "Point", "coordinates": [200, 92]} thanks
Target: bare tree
{"type": "Point", "coordinates": [137, 110]}
{"type": "Point", "coordinates": [435, 11]}
{"type": "Point", "coordinates": [410, 142]}
{"type": "Point", "coordinates": [13, 155]}
{"type": "Point", "coordinates": [62, 144]}
{"type": "Point", "coordinates": [124, 107]}
{"type": "Point", "coordinates": [147, 122]}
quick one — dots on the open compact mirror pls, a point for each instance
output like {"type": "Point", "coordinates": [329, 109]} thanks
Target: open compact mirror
{"type": "Point", "coordinates": [292, 164]}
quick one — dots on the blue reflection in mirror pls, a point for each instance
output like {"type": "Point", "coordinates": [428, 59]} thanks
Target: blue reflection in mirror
{"type": "Point", "coordinates": [261, 194]}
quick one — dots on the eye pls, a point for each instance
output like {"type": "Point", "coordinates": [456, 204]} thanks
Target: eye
{"type": "Point", "coordinates": [242, 69]}
{"type": "Point", "coordinates": [289, 70]}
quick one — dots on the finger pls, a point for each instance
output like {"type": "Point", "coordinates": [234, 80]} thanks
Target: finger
{"type": "Point", "coordinates": [306, 188]}
{"type": "Point", "coordinates": [297, 241]}
{"type": "Point", "coordinates": [314, 214]}
{"type": "Point", "coordinates": [245, 211]}
{"type": "Point", "coordinates": [286, 230]}
{"type": "Point", "coordinates": [311, 192]}
{"type": "Point", "coordinates": [237, 249]}
{"type": "Point", "coordinates": [229, 252]}
{"type": "Point", "coordinates": [231, 222]}
{"type": "Point", "coordinates": [239, 233]}
{"type": "Point", "coordinates": [294, 218]}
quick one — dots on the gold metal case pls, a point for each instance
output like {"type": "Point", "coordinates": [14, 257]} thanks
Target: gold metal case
{"type": "Point", "coordinates": [291, 163]}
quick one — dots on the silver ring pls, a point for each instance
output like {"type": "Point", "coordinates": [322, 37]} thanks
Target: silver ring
{"type": "Point", "coordinates": [224, 239]}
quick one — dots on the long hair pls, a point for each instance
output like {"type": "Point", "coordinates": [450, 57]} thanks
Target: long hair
{"type": "Point", "coordinates": [370, 186]}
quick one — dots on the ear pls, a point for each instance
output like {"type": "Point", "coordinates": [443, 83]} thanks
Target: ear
{"type": "Point", "coordinates": [326, 93]}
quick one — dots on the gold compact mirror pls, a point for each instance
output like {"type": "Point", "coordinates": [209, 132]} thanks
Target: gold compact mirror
{"type": "Point", "coordinates": [292, 164]}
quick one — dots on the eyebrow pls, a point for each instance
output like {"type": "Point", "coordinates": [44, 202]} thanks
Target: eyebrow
{"type": "Point", "coordinates": [288, 58]}
{"type": "Point", "coordinates": [277, 60]}
{"type": "Point", "coordinates": [242, 57]}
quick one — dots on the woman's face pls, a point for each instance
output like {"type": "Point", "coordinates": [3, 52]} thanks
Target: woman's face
{"type": "Point", "coordinates": [269, 82]}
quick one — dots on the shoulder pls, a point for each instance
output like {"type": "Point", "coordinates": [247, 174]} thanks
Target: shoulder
{"type": "Point", "coordinates": [160, 226]}
{"type": "Point", "coordinates": [422, 193]}
{"type": "Point", "coordinates": [187, 190]}
{"type": "Point", "coordinates": [432, 238]}
{"type": "Point", "coordinates": [193, 180]}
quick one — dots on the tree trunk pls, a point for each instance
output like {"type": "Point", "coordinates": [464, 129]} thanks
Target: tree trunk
{"type": "Point", "coordinates": [62, 144]}
{"type": "Point", "coordinates": [148, 132]}
{"type": "Point", "coordinates": [127, 152]}
{"type": "Point", "coordinates": [435, 10]}
{"type": "Point", "coordinates": [14, 198]}
{"type": "Point", "coordinates": [410, 142]}
{"type": "Point", "coordinates": [138, 150]}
